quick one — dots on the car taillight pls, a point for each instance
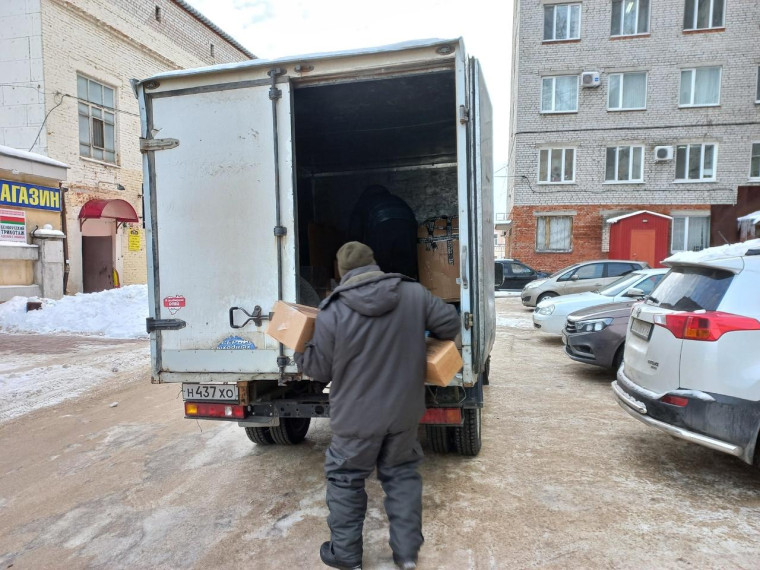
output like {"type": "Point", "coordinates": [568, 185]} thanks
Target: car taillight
{"type": "Point", "coordinates": [198, 410]}
{"type": "Point", "coordinates": [708, 326]}
{"type": "Point", "coordinates": [675, 400]}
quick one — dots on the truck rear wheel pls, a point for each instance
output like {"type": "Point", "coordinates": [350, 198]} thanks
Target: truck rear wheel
{"type": "Point", "coordinates": [438, 438]}
{"type": "Point", "coordinates": [259, 435]}
{"type": "Point", "coordinates": [467, 439]}
{"type": "Point", "coordinates": [290, 431]}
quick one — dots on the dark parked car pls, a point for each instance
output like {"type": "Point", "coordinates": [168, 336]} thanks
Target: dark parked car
{"type": "Point", "coordinates": [596, 335]}
{"type": "Point", "coordinates": [513, 274]}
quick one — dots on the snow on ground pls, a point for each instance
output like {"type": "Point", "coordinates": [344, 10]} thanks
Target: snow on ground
{"type": "Point", "coordinates": [718, 252]}
{"type": "Point", "coordinates": [524, 323]}
{"type": "Point", "coordinates": [118, 313]}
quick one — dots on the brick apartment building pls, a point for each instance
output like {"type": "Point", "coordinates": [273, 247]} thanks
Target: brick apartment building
{"type": "Point", "coordinates": [65, 69]}
{"type": "Point", "coordinates": [627, 105]}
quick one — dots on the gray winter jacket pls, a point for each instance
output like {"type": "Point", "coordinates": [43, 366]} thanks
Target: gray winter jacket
{"type": "Point", "coordinates": [369, 340]}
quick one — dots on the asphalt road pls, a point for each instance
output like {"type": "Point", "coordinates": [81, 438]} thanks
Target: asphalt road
{"type": "Point", "coordinates": [566, 479]}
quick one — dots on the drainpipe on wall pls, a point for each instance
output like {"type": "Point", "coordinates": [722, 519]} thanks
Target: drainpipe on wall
{"type": "Point", "coordinates": [66, 265]}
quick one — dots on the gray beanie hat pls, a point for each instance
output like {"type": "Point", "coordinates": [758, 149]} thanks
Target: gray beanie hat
{"type": "Point", "coordinates": [354, 254]}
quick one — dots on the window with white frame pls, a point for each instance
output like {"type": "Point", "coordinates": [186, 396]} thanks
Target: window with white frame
{"type": "Point", "coordinates": [695, 162]}
{"type": "Point", "coordinates": [625, 164]}
{"type": "Point", "coordinates": [704, 14]}
{"type": "Point", "coordinates": [97, 120]}
{"type": "Point", "coordinates": [754, 163]}
{"type": "Point", "coordinates": [627, 91]}
{"type": "Point", "coordinates": [556, 165]}
{"type": "Point", "coordinates": [554, 233]}
{"type": "Point", "coordinates": [630, 17]}
{"type": "Point", "coordinates": [562, 22]}
{"type": "Point", "coordinates": [559, 94]}
{"type": "Point", "coordinates": [700, 87]}
{"type": "Point", "coordinates": [690, 233]}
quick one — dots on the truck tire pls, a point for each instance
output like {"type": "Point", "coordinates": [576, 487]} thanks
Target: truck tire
{"type": "Point", "coordinates": [438, 438]}
{"type": "Point", "coordinates": [487, 372]}
{"type": "Point", "coordinates": [467, 439]}
{"type": "Point", "coordinates": [290, 431]}
{"type": "Point", "coordinates": [259, 435]}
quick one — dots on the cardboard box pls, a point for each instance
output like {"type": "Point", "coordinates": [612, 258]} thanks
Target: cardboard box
{"type": "Point", "coordinates": [292, 325]}
{"type": "Point", "coordinates": [438, 257]}
{"type": "Point", "coordinates": [443, 362]}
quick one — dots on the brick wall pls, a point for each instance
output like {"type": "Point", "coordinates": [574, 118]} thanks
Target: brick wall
{"type": "Point", "coordinates": [732, 125]}
{"type": "Point", "coordinates": [588, 231]}
{"type": "Point", "coordinates": [111, 43]}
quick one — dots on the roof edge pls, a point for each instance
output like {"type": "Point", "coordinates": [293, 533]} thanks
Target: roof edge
{"type": "Point", "coordinates": [624, 216]}
{"type": "Point", "coordinates": [211, 25]}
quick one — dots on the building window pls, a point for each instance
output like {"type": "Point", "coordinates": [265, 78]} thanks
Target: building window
{"type": "Point", "coordinates": [559, 94]}
{"type": "Point", "coordinates": [703, 14]}
{"type": "Point", "coordinates": [700, 87]}
{"type": "Point", "coordinates": [690, 233]}
{"type": "Point", "coordinates": [562, 22]}
{"type": "Point", "coordinates": [625, 164]}
{"type": "Point", "coordinates": [212, 50]}
{"type": "Point", "coordinates": [158, 13]}
{"type": "Point", "coordinates": [627, 91]}
{"type": "Point", "coordinates": [97, 133]}
{"type": "Point", "coordinates": [754, 164]}
{"type": "Point", "coordinates": [696, 162]}
{"type": "Point", "coordinates": [556, 166]}
{"type": "Point", "coordinates": [630, 17]}
{"type": "Point", "coordinates": [554, 233]}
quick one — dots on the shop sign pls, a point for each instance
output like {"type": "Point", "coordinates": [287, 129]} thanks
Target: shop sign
{"type": "Point", "coordinates": [134, 240]}
{"type": "Point", "coordinates": [29, 196]}
{"type": "Point", "coordinates": [12, 225]}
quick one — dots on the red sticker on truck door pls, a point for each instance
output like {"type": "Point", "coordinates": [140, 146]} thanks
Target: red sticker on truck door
{"type": "Point", "coordinates": [174, 303]}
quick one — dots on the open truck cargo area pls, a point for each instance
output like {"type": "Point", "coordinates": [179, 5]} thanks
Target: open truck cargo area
{"type": "Point", "coordinates": [253, 178]}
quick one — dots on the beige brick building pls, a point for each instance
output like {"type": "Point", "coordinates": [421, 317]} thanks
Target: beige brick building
{"type": "Point", "coordinates": [623, 105]}
{"type": "Point", "coordinates": [65, 69]}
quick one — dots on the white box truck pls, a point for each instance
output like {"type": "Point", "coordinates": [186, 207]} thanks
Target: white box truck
{"type": "Point", "coordinates": [250, 174]}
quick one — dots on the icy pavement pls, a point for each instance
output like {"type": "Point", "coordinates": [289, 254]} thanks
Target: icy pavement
{"type": "Point", "coordinates": [117, 313]}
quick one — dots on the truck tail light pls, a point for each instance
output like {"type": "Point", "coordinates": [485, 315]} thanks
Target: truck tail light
{"type": "Point", "coordinates": [679, 401]}
{"type": "Point", "coordinates": [199, 410]}
{"type": "Point", "coordinates": [708, 326]}
{"type": "Point", "coordinates": [449, 416]}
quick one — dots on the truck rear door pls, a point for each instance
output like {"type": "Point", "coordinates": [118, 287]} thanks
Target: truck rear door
{"type": "Point", "coordinates": [480, 214]}
{"type": "Point", "coordinates": [211, 214]}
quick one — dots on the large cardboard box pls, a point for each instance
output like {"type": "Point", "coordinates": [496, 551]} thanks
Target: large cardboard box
{"type": "Point", "coordinates": [443, 362]}
{"type": "Point", "coordinates": [292, 324]}
{"type": "Point", "coordinates": [438, 257]}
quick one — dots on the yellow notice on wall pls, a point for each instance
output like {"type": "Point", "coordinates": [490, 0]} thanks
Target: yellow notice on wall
{"type": "Point", "coordinates": [134, 240]}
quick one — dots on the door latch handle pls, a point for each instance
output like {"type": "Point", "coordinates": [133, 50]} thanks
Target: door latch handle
{"type": "Point", "coordinates": [256, 317]}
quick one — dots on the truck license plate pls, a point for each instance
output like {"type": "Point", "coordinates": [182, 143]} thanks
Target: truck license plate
{"type": "Point", "coordinates": [219, 392]}
{"type": "Point", "coordinates": [641, 328]}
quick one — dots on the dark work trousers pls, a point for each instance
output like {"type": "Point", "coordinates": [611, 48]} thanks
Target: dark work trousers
{"type": "Point", "coordinates": [349, 461]}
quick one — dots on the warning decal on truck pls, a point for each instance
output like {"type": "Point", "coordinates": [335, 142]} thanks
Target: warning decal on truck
{"type": "Point", "coordinates": [174, 303]}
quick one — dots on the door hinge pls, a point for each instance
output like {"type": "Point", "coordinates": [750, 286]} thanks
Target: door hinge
{"type": "Point", "coordinates": [469, 320]}
{"type": "Point", "coordinates": [151, 145]}
{"type": "Point", "coordinates": [164, 324]}
{"type": "Point", "coordinates": [280, 231]}
{"type": "Point", "coordinates": [464, 114]}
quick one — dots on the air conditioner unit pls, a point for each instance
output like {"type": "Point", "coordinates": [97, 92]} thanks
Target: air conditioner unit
{"type": "Point", "coordinates": [590, 79]}
{"type": "Point", "coordinates": [663, 153]}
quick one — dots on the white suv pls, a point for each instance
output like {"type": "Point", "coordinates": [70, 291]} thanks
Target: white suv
{"type": "Point", "coordinates": [691, 366]}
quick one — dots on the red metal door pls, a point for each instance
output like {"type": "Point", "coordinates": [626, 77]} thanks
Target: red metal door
{"type": "Point", "coordinates": [643, 246]}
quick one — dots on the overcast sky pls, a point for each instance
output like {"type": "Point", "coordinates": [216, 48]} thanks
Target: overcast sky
{"type": "Point", "coordinates": [276, 28]}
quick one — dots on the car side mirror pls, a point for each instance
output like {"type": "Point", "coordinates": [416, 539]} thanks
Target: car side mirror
{"type": "Point", "coordinates": [574, 278]}
{"type": "Point", "coordinates": [634, 293]}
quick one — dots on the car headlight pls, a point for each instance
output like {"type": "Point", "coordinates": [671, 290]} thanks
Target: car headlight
{"type": "Point", "coordinates": [534, 284]}
{"type": "Point", "coordinates": [545, 310]}
{"type": "Point", "coordinates": [593, 325]}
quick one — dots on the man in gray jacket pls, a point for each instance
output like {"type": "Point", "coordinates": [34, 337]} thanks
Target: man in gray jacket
{"type": "Point", "coordinates": [369, 341]}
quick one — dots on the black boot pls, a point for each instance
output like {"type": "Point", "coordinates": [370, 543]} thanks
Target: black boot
{"type": "Point", "coordinates": [328, 557]}
{"type": "Point", "coordinates": [405, 563]}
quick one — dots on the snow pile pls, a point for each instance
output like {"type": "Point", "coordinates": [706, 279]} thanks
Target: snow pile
{"type": "Point", "coordinates": [747, 225]}
{"type": "Point", "coordinates": [118, 313]}
{"type": "Point", "coordinates": [718, 252]}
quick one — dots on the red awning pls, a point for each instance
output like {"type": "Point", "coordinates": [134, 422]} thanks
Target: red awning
{"type": "Point", "coordinates": [119, 210]}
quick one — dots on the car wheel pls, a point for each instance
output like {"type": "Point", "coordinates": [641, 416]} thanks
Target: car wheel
{"type": "Point", "coordinates": [545, 296]}
{"type": "Point", "coordinates": [618, 360]}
